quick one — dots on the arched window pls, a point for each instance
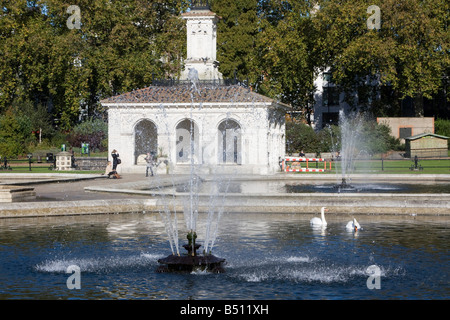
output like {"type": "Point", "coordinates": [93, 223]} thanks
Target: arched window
{"type": "Point", "coordinates": [187, 141]}
{"type": "Point", "coordinates": [229, 137]}
{"type": "Point", "coordinates": [145, 138]}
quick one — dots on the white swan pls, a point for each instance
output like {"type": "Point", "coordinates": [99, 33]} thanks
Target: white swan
{"type": "Point", "coordinates": [320, 221]}
{"type": "Point", "coordinates": [353, 225]}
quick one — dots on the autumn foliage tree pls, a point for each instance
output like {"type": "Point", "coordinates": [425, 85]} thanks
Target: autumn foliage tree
{"type": "Point", "coordinates": [279, 46]}
{"type": "Point", "coordinates": [409, 53]}
{"type": "Point", "coordinates": [119, 46]}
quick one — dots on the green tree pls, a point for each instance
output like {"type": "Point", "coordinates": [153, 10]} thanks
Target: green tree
{"type": "Point", "coordinates": [15, 134]}
{"type": "Point", "coordinates": [283, 52]}
{"type": "Point", "coordinates": [377, 138]}
{"type": "Point", "coordinates": [329, 139]}
{"type": "Point", "coordinates": [39, 118]}
{"type": "Point", "coordinates": [237, 30]}
{"type": "Point", "coordinates": [24, 43]}
{"type": "Point", "coordinates": [268, 43]}
{"type": "Point", "coordinates": [120, 46]}
{"type": "Point", "coordinates": [374, 138]}
{"type": "Point", "coordinates": [409, 53]}
{"type": "Point", "coordinates": [300, 136]}
{"type": "Point", "coordinates": [442, 127]}
{"type": "Point", "coordinates": [92, 131]}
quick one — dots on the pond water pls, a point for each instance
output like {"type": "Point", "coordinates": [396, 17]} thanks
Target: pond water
{"type": "Point", "coordinates": [283, 187]}
{"type": "Point", "coordinates": [269, 256]}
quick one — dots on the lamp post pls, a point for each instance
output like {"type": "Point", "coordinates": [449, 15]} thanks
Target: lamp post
{"type": "Point", "coordinates": [29, 156]}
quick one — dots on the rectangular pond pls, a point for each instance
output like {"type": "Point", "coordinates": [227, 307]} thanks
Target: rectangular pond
{"type": "Point", "coordinates": [269, 256]}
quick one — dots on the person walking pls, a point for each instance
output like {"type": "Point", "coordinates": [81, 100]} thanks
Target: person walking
{"type": "Point", "coordinates": [150, 163]}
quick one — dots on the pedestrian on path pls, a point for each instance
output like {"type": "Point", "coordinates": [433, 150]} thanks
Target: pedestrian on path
{"type": "Point", "coordinates": [150, 159]}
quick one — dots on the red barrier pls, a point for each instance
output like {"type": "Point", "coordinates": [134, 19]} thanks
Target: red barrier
{"type": "Point", "coordinates": [295, 162]}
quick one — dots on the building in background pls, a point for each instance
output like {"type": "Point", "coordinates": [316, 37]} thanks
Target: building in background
{"type": "Point", "coordinates": [200, 119]}
{"type": "Point", "coordinates": [404, 127]}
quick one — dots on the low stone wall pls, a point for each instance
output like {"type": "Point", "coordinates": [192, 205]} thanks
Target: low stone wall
{"type": "Point", "coordinates": [345, 205]}
{"type": "Point", "coordinates": [16, 194]}
{"type": "Point", "coordinates": [91, 163]}
{"type": "Point", "coordinates": [70, 208]}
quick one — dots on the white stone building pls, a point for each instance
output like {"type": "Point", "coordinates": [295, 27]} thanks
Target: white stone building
{"type": "Point", "coordinates": [201, 30]}
{"type": "Point", "coordinates": [329, 100]}
{"type": "Point", "coordinates": [199, 120]}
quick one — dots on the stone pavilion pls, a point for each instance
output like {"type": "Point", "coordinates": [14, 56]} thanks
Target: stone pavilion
{"type": "Point", "coordinates": [200, 119]}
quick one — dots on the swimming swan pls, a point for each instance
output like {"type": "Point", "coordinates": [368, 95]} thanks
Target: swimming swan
{"type": "Point", "coordinates": [320, 221]}
{"type": "Point", "coordinates": [353, 225]}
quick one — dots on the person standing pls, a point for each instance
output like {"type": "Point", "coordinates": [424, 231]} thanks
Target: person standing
{"type": "Point", "coordinates": [150, 163]}
{"type": "Point", "coordinates": [108, 169]}
{"type": "Point", "coordinates": [116, 160]}
{"type": "Point", "coordinates": [72, 158]}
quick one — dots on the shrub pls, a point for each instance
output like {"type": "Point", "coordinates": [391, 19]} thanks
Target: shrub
{"type": "Point", "coordinates": [329, 139]}
{"type": "Point", "coordinates": [376, 138]}
{"type": "Point", "coordinates": [442, 127]}
{"type": "Point", "coordinates": [299, 137]}
{"type": "Point", "coordinates": [91, 131]}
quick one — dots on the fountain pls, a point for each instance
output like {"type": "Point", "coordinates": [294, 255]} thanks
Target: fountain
{"type": "Point", "coordinates": [344, 186]}
{"type": "Point", "coordinates": [350, 138]}
{"type": "Point", "coordinates": [191, 261]}
{"type": "Point", "coordinates": [272, 255]}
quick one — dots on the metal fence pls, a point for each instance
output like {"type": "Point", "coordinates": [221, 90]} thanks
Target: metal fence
{"type": "Point", "coordinates": [29, 163]}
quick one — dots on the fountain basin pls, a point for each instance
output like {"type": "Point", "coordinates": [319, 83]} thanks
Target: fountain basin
{"type": "Point", "coordinates": [189, 263]}
{"type": "Point", "coordinates": [259, 194]}
{"type": "Point", "coordinates": [268, 257]}
{"type": "Point", "coordinates": [342, 203]}
{"type": "Point", "coordinates": [255, 194]}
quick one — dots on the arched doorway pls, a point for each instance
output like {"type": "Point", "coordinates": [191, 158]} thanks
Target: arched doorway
{"type": "Point", "coordinates": [187, 141]}
{"type": "Point", "coordinates": [229, 138]}
{"type": "Point", "coordinates": [145, 138]}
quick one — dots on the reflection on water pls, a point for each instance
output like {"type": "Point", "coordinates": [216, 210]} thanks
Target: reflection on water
{"type": "Point", "coordinates": [371, 188]}
{"type": "Point", "coordinates": [270, 256]}
{"type": "Point", "coordinates": [271, 187]}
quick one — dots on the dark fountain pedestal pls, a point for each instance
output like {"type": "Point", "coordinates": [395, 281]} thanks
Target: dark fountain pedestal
{"type": "Point", "coordinates": [191, 261]}
{"type": "Point", "coordinates": [345, 186]}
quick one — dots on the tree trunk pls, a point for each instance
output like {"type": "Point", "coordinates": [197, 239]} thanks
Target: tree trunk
{"type": "Point", "coordinates": [418, 105]}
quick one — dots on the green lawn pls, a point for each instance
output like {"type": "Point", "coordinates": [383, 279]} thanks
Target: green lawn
{"type": "Point", "coordinates": [441, 166]}
{"type": "Point", "coordinates": [436, 166]}
{"type": "Point", "coordinates": [399, 166]}
{"type": "Point", "coordinates": [22, 165]}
